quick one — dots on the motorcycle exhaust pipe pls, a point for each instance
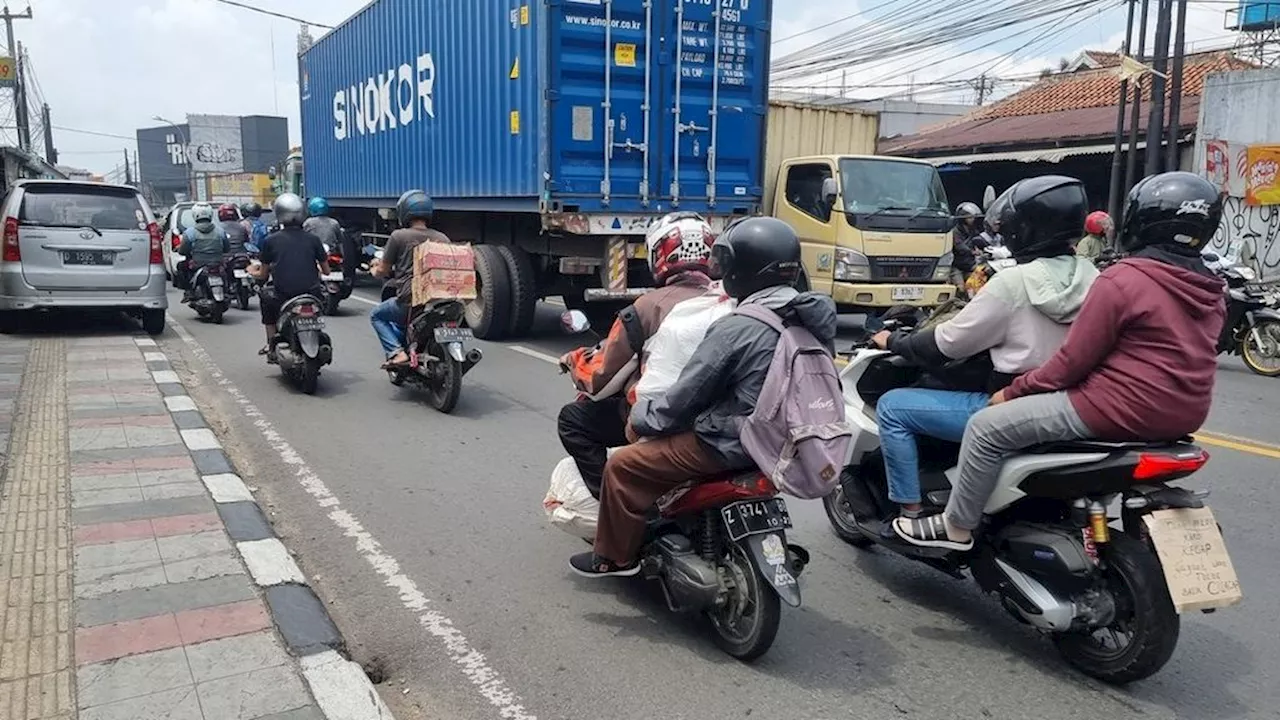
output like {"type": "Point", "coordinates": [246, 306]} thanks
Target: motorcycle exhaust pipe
{"type": "Point", "coordinates": [473, 356]}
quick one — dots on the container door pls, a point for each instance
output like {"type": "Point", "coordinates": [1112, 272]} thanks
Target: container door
{"type": "Point", "coordinates": [713, 97]}
{"type": "Point", "coordinates": [599, 103]}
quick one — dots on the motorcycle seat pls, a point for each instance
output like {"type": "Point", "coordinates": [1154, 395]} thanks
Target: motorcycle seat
{"type": "Point", "coordinates": [1094, 446]}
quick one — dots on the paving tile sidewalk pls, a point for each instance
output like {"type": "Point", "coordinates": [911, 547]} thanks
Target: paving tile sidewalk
{"type": "Point", "coordinates": [138, 578]}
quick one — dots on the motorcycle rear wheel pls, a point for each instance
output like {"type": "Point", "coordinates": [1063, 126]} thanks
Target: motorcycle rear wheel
{"type": "Point", "coordinates": [443, 395]}
{"type": "Point", "coordinates": [1144, 612]}
{"type": "Point", "coordinates": [242, 297]}
{"type": "Point", "coordinates": [216, 315]}
{"type": "Point", "coordinates": [1254, 357]}
{"type": "Point", "coordinates": [309, 376]}
{"type": "Point", "coordinates": [745, 627]}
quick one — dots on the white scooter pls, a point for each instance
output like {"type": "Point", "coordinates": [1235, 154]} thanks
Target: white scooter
{"type": "Point", "coordinates": [1046, 548]}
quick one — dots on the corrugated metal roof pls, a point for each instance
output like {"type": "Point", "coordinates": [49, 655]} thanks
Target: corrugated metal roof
{"type": "Point", "coordinates": [1050, 155]}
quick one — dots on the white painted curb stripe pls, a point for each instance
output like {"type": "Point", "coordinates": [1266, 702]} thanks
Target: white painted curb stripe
{"type": "Point", "coordinates": [179, 403]}
{"type": "Point", "coordinates": [341, 688]}
{"type": "Point", "coordinates": [201, 439]}
{"type": "Point", "coordinates": [487, 682]}
{"type": "Point", "coordinates": [227, 488]}
{"type": "Point", "coordinates": [270, 563]}
{"type": "Point", "coordinates": [144, 342]}
{"type": "Point", "coordinates": [163, 377]}
{"type": "Point", "coordinates": [154, 357]}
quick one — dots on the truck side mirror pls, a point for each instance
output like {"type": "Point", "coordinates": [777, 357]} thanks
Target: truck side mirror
{"type": "Point", "coordinates": [988, 197]}
{"type": "Point", "coordinates": [830, 190]}
{"type": "Point", "coordinates": [271, 173]}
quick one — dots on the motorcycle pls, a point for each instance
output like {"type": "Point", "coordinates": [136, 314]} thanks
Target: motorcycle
{"type": "Point", "coordinates": [208, 294]}
{"type": "Point", "coordinates": [438, 356]}
{"type": "Point", "coordinates": [1252, 327]}
{"type": "Point", "coordinates": [242, 285]}
{"type": "Point", "coordinates": [302, 345]}
{"type": "Point", "coordinates": [718, 547]}
{"type": "Point", "coordinates": [337, 286]}
{"type": "Point", "coordinates": [1047, 548]}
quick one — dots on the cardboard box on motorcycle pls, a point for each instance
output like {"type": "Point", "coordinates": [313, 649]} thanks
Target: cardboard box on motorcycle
{"type": "Point", "coordinates": [443, 271]}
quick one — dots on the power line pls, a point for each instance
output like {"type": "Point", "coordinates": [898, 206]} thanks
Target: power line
{"type": "Point", "coordinates": [245, 6]}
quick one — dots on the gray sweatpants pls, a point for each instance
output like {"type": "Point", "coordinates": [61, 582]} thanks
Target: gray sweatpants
{"type": "Point", "coordinates": [997, 432]}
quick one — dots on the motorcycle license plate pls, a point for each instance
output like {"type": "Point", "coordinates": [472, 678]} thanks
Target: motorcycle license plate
{"type": "Point", "coordinates": [1197, 568]}
{"type": "Point", "coordinates": [333, 277]}
{"type": "Point", "coordinates": [907, 293]}
{"type": "Point", "coordinates": [308, 323]}
{"type": "Point", "coordinates": [452, 334]}
{"type": "Point", "coordinates": [215, 282]}
{"type": "Point", "coordinates": [753, 517]}
{"type": "Point", "coordinates": [241, 274]}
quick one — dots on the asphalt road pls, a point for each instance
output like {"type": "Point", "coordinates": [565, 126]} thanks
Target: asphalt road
{"type": "Point", "coordinates": [426, 535]}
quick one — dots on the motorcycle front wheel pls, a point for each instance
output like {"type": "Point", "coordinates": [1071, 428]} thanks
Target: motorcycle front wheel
{"type": "Point", "coordinates": [1265, 359]}
{"type": "Point", "coordinates": [840, 515]}
{"type": "Point", "coordinates": [1144, 633]}
{"type": "Point", "coordinates": [747, 623]}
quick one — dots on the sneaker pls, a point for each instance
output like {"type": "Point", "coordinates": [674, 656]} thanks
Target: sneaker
{"type": "Point", "coordinates": [590, 565]}
{"type": "Point", "coordinates": [929, 532]}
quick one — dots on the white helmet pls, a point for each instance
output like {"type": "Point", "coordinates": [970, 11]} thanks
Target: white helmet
{"type": "Point", "coordinates": [676, 242]}
{"type": "Point", "coordinates": [202, 213]}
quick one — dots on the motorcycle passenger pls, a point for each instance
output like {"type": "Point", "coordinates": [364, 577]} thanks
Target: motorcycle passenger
{"type": "Point", "coordinates": [1138, 364]}
{"type": "Point", "coordinates": [679, 255]}
{"type": "Point", "coordinates": [229, 221]}
{"type": "Point", "coordinates": [253, 224]}
{"type": "Point", "coordinates": [204, 244]}
{"type": "Point", "coordinates": [294, 260]}
{"type": "Point", "coordinates": [1015, 323]}
{"type": "Point", "coordinates": [329, 230]}
{"type": "Point", "coordinates": [414, 211]}
{"type": "Point", "coordinates": [691, 432]}
{"type": "Point", "coordinates": [968, 217]}
{"type": "Point", "coordinates": [1097, 228]}
{"type": "Point", "coordinates": [990, 235]}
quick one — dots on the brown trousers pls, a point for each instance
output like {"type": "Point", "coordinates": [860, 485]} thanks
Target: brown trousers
{"type": "Point", "coordinates": [635, 477]}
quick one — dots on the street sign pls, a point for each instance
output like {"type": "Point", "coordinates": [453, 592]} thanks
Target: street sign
{"type": "Point", "coordinates": [8, 72]}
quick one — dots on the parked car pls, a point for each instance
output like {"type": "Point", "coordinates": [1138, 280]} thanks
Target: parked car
{"type": "Point", "coordinates": [176, 223]}
{"type": "Point", "coordinates": [82, 245]}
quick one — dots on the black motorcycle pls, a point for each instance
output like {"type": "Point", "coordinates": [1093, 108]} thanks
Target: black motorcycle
{"type": "Point", "coordinates": [1252, 328]}
{"type": "Point", "coordinates": [241, 284]}
{"type": "Point", "coordinates": [209, 294]}
{"type": "Point", "coordinates": [438, 356]}
{"type": "Point", "coordinates": [1047, 548]}
{"type": "Point", "coordinates": [302, 345]}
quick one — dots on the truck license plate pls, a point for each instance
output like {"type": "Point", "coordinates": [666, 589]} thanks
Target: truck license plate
{"type": "Point", "coordinates": [907, 293]}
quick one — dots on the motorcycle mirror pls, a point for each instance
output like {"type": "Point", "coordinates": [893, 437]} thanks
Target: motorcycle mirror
{"type": "Point", "coordinates": [574, 322]}
{"type": "Point", "coordinates": [378, 255]}
{"type": "Point", "coordinates": [988, 197]}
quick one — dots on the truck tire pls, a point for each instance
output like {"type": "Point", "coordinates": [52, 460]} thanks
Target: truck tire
{"type": "Point", "coordinates": [489, 315]}
{"type": "Point", "coordinates": [524, 290]}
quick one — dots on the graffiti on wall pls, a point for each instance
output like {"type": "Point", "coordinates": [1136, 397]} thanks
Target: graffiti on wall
{"type": "Point", "coordinates": [1251, 234]}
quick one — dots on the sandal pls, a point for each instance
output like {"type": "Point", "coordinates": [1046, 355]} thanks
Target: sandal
{"type": "Point", "coordinates": [930, 532]}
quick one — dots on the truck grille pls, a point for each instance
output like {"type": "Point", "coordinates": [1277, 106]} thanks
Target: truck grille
{"type": "Point", "coordinates": [885, 268]}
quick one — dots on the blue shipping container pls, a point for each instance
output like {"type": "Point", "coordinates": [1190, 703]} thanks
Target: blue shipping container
{"type": "Point", "coordinates": [574, 105]}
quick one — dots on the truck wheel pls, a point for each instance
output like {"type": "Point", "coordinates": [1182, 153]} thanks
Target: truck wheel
{"type": "Point", "coordinates": [489, 315]}
{"type": "Point", "coordinates": [524, 290]}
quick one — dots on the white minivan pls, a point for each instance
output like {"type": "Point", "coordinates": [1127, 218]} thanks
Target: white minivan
{"type": "Point", "coordinates": [82, 245]}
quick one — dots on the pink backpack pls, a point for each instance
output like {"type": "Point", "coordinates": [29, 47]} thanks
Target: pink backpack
{"type": "Point", "coordinates": [798, 434]}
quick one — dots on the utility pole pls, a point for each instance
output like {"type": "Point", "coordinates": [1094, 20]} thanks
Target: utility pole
{"type": "Point", "coordinates": [1159, 63]}
{"type": "Point", "coordinates": [983, 87]}
{"type": "Point", "coordinates": [128, 176]}
{"type": "Point", "coordinates": [50, 152]}
{"type": "Point", "coordinates": [1175, 94]}
{"type": "Point", "coordinates": [19, 92]}
{"type": "Point", "coordinates": [1131, 162]}
{"type": "Point", "coordinates": [1117, 156]}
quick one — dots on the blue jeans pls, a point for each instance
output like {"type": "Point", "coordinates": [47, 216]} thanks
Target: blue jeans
{"type": "Point", "coordinates": [387, 319]}
{"type": "Point", "coordinates": [906, 412]}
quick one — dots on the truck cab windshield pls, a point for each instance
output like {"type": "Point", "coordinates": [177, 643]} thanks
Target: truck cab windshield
{"type": "Point", "coordinates": [893, 195]}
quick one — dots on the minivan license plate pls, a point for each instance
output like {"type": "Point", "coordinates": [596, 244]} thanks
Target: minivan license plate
{"type": "Point", "coordinates": [753, 517]}
{"type": "Point", "coordinates": [907, 293]}
{"type": "Point", "coordinates": [88, 257]}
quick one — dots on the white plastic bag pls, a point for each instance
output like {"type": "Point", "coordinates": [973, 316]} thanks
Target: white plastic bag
{"type": "Point", "coordinates": [681, 331]}
{"type": "Point", "coordinates": [569, 505]}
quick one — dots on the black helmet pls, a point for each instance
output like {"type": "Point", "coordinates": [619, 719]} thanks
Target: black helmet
{"type": "Point", "coordinates": [1040, 217]}
{"type": "Point", "coordinates": [1177, 210]}
{"type": "Point", "coordinates": [966, 210]}
{"type": "Point", "coordinates": [253, 209]}
{"type": "Point", "coordinates": [755, 253]}
{"type": "Point", "coordinates": [414, 205]}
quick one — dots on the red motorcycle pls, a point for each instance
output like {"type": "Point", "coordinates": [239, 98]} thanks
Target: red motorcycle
{"type": "Point", "coordinates": [718, 547]}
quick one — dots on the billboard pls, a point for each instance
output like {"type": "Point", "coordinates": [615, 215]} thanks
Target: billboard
{"type": "Point", "coordinates": [216, 144]}
{"type": "Point", "coordinates": [8, 72]}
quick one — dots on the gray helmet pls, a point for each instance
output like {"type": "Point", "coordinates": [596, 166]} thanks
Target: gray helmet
{"type": "Point", "coordinates": [202, 213]}
{"type": "Point", "coordinates": [968, 210]}
{"type": "Point", "coordinates": [290, 210]}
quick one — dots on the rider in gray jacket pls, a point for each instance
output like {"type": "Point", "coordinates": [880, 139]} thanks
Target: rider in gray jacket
{"type": "Point", "coordinates": [204, 244]}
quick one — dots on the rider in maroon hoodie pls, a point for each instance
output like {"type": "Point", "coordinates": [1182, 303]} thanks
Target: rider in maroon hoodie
{"type": "Point", "coordinates": [1138, 363]}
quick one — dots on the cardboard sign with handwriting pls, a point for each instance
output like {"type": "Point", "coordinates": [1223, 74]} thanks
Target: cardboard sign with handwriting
{"type": "Point", "coordinates": [1197, 567]}
{"type": "Point", "coordinates": [443, 271]}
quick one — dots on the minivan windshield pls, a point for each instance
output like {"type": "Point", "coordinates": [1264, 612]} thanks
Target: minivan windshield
{"type": "Point", "coordinates": [891, 194]}
{"type": "Point", "coordinates": [76, 207]}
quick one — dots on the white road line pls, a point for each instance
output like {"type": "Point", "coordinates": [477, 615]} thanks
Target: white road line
{"type": "Point", "coordinates": [533, 354]}
{"type": "Point", "coordinates": [470, 661]}
{"type": "Point", "coordinates": [364, 300]}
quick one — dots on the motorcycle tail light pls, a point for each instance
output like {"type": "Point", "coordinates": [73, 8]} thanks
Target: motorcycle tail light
{"type": "Point", "coordinates": [306, 310]}
{"type": "Point", "coordinates": [1158, 466]}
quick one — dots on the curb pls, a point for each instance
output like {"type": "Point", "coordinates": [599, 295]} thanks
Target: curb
{"type": "Point", "coordinates": [340, 687]}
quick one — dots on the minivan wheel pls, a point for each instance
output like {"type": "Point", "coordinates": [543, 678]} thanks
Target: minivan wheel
{"type": "Point", "coordinates": [153, 321]}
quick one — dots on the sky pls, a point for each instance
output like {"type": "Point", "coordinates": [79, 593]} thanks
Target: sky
{"type": "Point", "coordinates": [107, 67]}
